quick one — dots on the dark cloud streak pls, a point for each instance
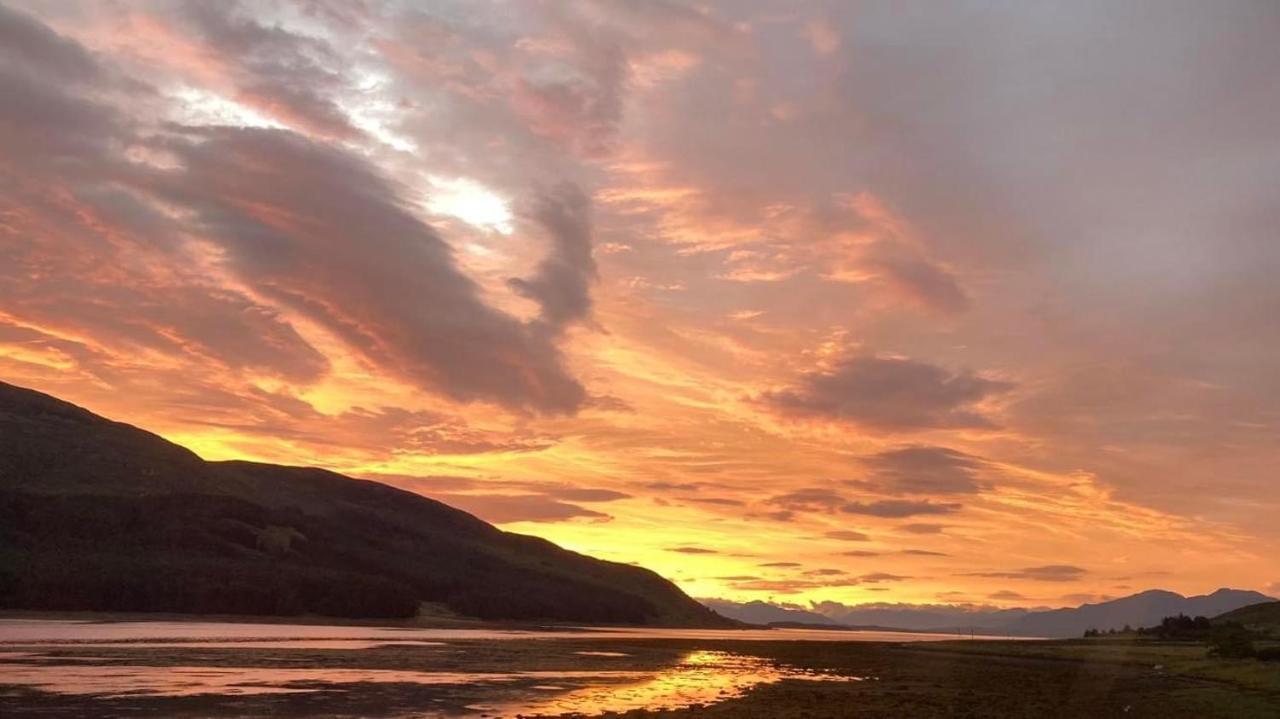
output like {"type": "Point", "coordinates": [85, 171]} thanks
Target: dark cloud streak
{"type": "Point", "coordinates": [890, 394]}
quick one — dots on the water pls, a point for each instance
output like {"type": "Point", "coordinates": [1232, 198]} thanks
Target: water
{"type": "Point", "coordinates": [427, 672]}
{"type": "Point", "coordinates": [29, 631]}
{"type": "Point", "coordinates": [700, 677]}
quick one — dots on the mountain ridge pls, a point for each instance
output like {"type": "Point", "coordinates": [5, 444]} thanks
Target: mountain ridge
{"type": "Point", "coordinates": [100, 515]}
{"type": "Point", "coordinates": [1144, 608]}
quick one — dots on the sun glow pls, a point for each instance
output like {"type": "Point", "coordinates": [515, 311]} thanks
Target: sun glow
{"type": "Point", "coordinates": [471, 202]}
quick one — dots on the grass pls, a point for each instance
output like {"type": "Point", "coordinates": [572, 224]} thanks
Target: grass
{"type": "Point", "coordinates": [1185, 659]}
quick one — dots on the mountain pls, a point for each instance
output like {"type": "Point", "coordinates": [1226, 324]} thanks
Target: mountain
{"type": "Point", "coordinates": [1139, 610]}
{"type": "Point", "coordinates": [904, 617]}
{"type": "Point", "coordinates": [100, 515]}
{"type": "Point", "coordinates": [1264, 617]}
{"type": "Point", "coordinates": [757, 612]}
{"type": "Point", "coordinates": [927, 617]}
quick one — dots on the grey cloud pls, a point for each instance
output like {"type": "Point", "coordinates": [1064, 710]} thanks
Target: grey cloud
{"type": "Point", "coordinates": [426, 485]}
{"type": "Point", "coordinates": [587, 494]}
{"type": "Point", "coordinates": [674, 486]}
{"type": "Point", "coordinates": [506, 508]}
{"type": "Point", "coordinates": [898, 508]}
{"type": "Point", "coordinates": [817, 499]}
{"type": "Point", "coordinates": [785, 586]}
{"type": "Point", "coordinates": [813, 499]}
{"type": "Point", "coordinates": [848, 535]}
{"type": "Point", "coordinates": [328, 237]}
{"type": "Point", "coordinates": [200, 325]}
{"type": "Point", "coordinates": [923, 281]}
{"type": "Point", "coordinates": [36, 50]}
{"type": "Point", "coordinates": [925, 470]}
{"type": "Point", "coordinates": [890, 394]}
{"type": "Point", "coordinates": [577, 100]}
{"type": "Point", "coordinates": [88, 254]}
{"type": "Point", "coordinates": [1085, 597]}
{"type": "Point", "coordinates": [46, 130]}
{"type": "Point", "coordinates": [876, 577]}
{"type": "Point", "coordinates": [1047, 573]}
{"type": "Point", "coordinates": [721, 501]}
{"type": "Point", "coordinates": [922, 528]}
{"type": "Point", "coordinates": [820, 578]}
{"type": "Point", "coordinates": [692, 550]}
{"type": "Point", "coordinates": [562, 283]}
{"type": "Point", "coordinates": [306, 225]}
{"type": "Point", "coordinates": [286, 75]}
{"type": "Point", "coordinates": [501, 500]}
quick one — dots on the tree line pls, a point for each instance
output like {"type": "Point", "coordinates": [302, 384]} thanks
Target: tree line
{"type": "Point", "coordinates": [1228, 640]}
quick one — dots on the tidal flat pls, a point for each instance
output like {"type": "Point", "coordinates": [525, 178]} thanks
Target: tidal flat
{"type": "Point", "coordinates": [136, 669]}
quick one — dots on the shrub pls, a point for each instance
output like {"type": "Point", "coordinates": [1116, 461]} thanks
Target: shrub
{"type": "Point", "coordinates": [1232, 642]}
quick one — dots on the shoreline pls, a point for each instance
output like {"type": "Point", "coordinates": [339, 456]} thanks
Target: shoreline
{"type": "Point", "coordinates": [443, 622]}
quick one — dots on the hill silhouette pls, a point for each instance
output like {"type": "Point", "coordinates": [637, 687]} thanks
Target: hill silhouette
{"type": "Point", "coordinates": [100, 515]}
{"type": "Point", "coordinates": [1144, 609]}
{"type": "Point", "coordinates": [1263, 617]}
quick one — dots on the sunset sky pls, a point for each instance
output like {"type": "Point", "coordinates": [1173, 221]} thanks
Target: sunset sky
{"type": "Point", "coordinates": [850, 301]}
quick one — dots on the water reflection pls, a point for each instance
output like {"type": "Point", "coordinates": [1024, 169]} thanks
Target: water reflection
{"type": "Point", "coordinates": [397, 671]}
{"type": "Point", "coordinates": [701, 677]}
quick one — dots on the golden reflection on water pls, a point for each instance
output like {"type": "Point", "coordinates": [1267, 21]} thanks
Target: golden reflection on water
{"type": "Point", "coordinates": [34, 654]}
{"type": "Point", "coordinates": [700, 677]}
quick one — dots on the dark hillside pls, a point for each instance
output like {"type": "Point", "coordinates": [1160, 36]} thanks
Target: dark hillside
{"type": "Point", "coordinates": [1262, 617]}
{"type": "Point", "coordinates": [99, 515]}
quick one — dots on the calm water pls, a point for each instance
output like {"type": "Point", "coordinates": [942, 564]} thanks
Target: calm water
{"type": "Point", "coordinates": [20, 631]}
{"type": "Point", "coordinates": [444, 672]}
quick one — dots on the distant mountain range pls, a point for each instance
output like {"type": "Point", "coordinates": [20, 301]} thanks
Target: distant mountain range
{"type": "Point", "coordinates": [99, 515]}
{"type": "Point", "coordinates": [927, 617]}
{"type": "Point", "coordinates": [1139, 610]}
{"type": "Point", "coordinates": [758, 612]}
{"type": "Point", "coordinates": [1144, 609]}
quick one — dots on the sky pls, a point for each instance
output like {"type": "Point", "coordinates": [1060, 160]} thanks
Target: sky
{"type": "Point", "coordinates": [958, 302]}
